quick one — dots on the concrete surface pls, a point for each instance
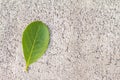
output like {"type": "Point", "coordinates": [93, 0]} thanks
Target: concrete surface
{"type": "Point", "coordinates": [85, 39]}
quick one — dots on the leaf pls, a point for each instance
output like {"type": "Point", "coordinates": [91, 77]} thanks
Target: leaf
{"type": "Point", "coordinates": [35, 41]}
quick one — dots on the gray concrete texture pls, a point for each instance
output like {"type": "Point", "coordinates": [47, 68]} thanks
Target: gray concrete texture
{"type": "Point", "coordinates": [84, 45]}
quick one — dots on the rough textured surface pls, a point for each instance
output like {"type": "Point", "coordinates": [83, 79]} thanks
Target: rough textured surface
{"type": "Point", "coordinates": [85, 39]}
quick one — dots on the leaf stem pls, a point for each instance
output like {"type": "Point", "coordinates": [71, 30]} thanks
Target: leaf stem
{"type": "Point", "coordinates": [26, 68]}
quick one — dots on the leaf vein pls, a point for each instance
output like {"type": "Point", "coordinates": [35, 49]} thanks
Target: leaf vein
{"type": "Point", "coordinates": [32, 48]}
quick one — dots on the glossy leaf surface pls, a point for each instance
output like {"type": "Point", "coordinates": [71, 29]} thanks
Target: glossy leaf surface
{"type": "Point", "coordinates": [35, 41]}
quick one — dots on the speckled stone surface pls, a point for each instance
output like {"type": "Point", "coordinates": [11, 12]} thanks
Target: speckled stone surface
{"type": "Point", "coordinates": [84, 45]}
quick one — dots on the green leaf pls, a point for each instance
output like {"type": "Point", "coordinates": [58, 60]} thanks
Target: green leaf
{"type": "Point", "coordinates": [35, 41]}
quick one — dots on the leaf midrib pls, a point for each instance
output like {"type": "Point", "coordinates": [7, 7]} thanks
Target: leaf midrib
{"type": "Point", "coordinates": [27, 64]}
